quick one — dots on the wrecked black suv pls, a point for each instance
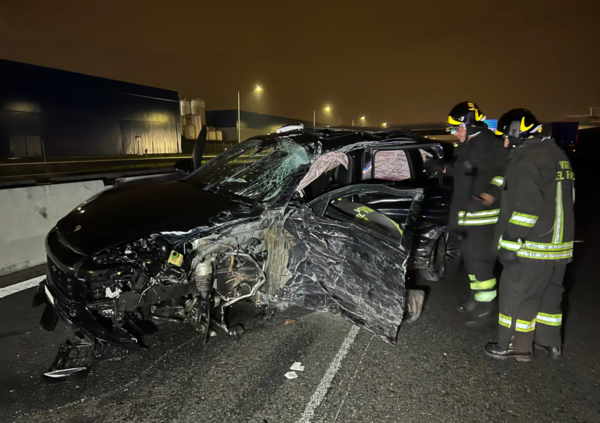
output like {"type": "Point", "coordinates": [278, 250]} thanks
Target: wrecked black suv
{"type": "Point", "coordinates": [323, 219]}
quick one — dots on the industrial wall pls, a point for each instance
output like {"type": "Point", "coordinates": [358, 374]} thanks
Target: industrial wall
{"type": "Point", "coordinates": [29, 213]}
{"type": "Point", "coordinates": [58, 113]}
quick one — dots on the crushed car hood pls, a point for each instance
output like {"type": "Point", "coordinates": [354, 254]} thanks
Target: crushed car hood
{"type": "Point", "coordinates": [127, 213]}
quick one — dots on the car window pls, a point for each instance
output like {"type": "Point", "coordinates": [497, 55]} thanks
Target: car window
{"type": "Point", "coordinates": [391, 165]}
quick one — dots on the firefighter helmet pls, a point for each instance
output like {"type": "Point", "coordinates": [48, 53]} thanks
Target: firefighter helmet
{"type": "Point", "coordinates": [518, 123]}
{"type": "Point", "coordinates": [466, 113]}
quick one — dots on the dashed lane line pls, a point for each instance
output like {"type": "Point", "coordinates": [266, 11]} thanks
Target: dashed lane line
{"type": "Point", "coordinates": [325, 384]}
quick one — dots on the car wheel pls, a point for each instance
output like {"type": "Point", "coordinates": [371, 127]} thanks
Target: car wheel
{"type": "Point", "coordinates": [445, 260]}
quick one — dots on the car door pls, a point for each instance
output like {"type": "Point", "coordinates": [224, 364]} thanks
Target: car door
{"type": "Point", "coordinates": [349, 259]}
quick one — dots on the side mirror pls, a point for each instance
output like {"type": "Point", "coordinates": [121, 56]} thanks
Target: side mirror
{"type": "Point", "coordinates": [184, 166]}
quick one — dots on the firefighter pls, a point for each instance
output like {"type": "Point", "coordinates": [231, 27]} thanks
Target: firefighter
{"type": "Point", "coordinates": [472, 215]}
{"type": "Point", "coordinates": [535, 240]}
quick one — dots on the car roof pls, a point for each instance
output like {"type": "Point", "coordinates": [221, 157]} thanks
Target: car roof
{"type": "Point", "coordinates": [344, 139]}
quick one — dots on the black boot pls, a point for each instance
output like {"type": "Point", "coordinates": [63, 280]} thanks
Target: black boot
{"type": "Point", "coordinates": [483, 314]}
{"type": "Point", "coordinates": [468, 305]}
{"type": "Point", "coordinates": [554, 352]}
{"type": "Point", "coordinates": [495, 351]}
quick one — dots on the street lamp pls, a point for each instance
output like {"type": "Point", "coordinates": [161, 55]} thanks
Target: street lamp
{"type": "Point", "coordinates": [258, 90]}
{"type": "Point", "coordinates": [326, 110]}
{"type": "Point", "coordinates": [384, 124]}
{"type": "Point", "coordinates": [362, 120]}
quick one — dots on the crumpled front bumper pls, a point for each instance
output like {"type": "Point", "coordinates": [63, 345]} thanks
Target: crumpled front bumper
{"type": "Point", "coordinates": [88, 338]}
{"type": "Point", "coordinates": [75, 314]}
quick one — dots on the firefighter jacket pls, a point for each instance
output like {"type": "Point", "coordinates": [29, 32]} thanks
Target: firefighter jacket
{"type": "Point", "coordinates": [536, 214]}
{"type": "Point", "coordinates": [470, 169]}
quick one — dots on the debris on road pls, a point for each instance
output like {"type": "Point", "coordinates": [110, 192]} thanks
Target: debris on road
{"type": "Point", "coordinates": [297, 366]}
{"type": "Point", "coordinates": [291, 375]}
{"type": "Point", "coordinates": [288, 321]}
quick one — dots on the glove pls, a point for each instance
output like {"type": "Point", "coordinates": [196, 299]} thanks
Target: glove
{"type": "Point", "coordinates": [507, 257]}
{"type": "Point", "coordinates": [475, 205]}
{"type": "Point", "coordinates": [434, 167]}
{"type": "Point", "coordinates": [507, 250]}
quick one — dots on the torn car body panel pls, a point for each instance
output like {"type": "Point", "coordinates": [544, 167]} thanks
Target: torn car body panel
{"type": "Point", "coordinates": [345, 268]}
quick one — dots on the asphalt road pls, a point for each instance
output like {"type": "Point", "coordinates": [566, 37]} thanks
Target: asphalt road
{"type": "Point", "coordinates": [436, 373]}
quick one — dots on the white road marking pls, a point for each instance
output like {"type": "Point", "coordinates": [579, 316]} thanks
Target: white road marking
{"type": "Point", "coordinates": [352, 380]}
{"type": "Point", "coordinates": [18, 287]}
{"type": "Point", "coordinates": [325, 383]}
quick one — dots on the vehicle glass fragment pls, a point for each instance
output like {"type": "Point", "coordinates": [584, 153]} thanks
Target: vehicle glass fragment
{"type": "Point", "coordinates": [254, 171]}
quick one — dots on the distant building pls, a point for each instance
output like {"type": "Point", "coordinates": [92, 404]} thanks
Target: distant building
{"type": "Point", "coordinates": [50, 112]}
{"type": "Point", "coordinates": [252, 124]}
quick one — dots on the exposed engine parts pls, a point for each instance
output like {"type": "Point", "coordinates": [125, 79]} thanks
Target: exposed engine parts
{"type": "Point", "coordinates": [202, 275]}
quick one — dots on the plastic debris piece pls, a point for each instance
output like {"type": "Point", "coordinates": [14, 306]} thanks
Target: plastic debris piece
{"type": "Point", "coordinates": [291, 375]}
{"type": "Point", "coordinates": [110, 294]}
{"type": "Point", "coordinates": [297, 366]}
{"type": "Point", "coordinates": [288, 321]}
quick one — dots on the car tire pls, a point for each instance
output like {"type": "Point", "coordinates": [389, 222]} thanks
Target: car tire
{"type": "Point", "coordinates": [445, 259]}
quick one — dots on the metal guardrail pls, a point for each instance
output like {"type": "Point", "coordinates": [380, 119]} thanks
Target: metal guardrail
{"type": "Point", "coordinates": [81, 169]}
{"type": "Point", "coordinates": [27, 174]}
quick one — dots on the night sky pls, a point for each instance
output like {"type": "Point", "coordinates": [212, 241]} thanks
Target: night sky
{"type": "Point", "coordinates": [392, 61]}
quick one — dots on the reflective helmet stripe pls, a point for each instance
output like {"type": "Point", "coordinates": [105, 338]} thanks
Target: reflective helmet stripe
{"type": "Point", "coordinates": [452, 121]}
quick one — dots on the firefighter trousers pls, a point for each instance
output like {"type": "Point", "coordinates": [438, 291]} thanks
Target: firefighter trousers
{"type": "Point", "coordinates": [530, 304]}
{"type": "Point", "coordinates": [480, 258]}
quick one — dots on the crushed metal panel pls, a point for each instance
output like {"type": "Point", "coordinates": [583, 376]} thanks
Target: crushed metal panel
{"type": "Point", "coordinates": [278, 243]}
{"type": "Point", "coordinates": [340, 268]}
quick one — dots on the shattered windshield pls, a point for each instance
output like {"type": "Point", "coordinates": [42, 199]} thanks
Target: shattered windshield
{"type": "Point", "coordinates": [253, 171]}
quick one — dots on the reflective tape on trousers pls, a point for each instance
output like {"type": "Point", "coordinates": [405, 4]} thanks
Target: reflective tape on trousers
{"type": "Point", "coordinates": [504, 320]}
{"type": "Point", "coordinates": [525, 326]}
{"type": "Point", "coordinates": [549, 319]}
{"type": "Point", "coordinates": [485, 296]}
{"type": "Point", "coordinates": [482, 285]}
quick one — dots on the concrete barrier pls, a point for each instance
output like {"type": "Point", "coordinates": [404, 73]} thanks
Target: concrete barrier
{"type": "Point", "coordinates": [27, 215]}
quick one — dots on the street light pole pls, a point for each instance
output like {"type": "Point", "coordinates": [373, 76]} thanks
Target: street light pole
{"type": "Point", "coordinates": [239, 122]}
{"type": "Point", "coordinates": [314, 118]}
